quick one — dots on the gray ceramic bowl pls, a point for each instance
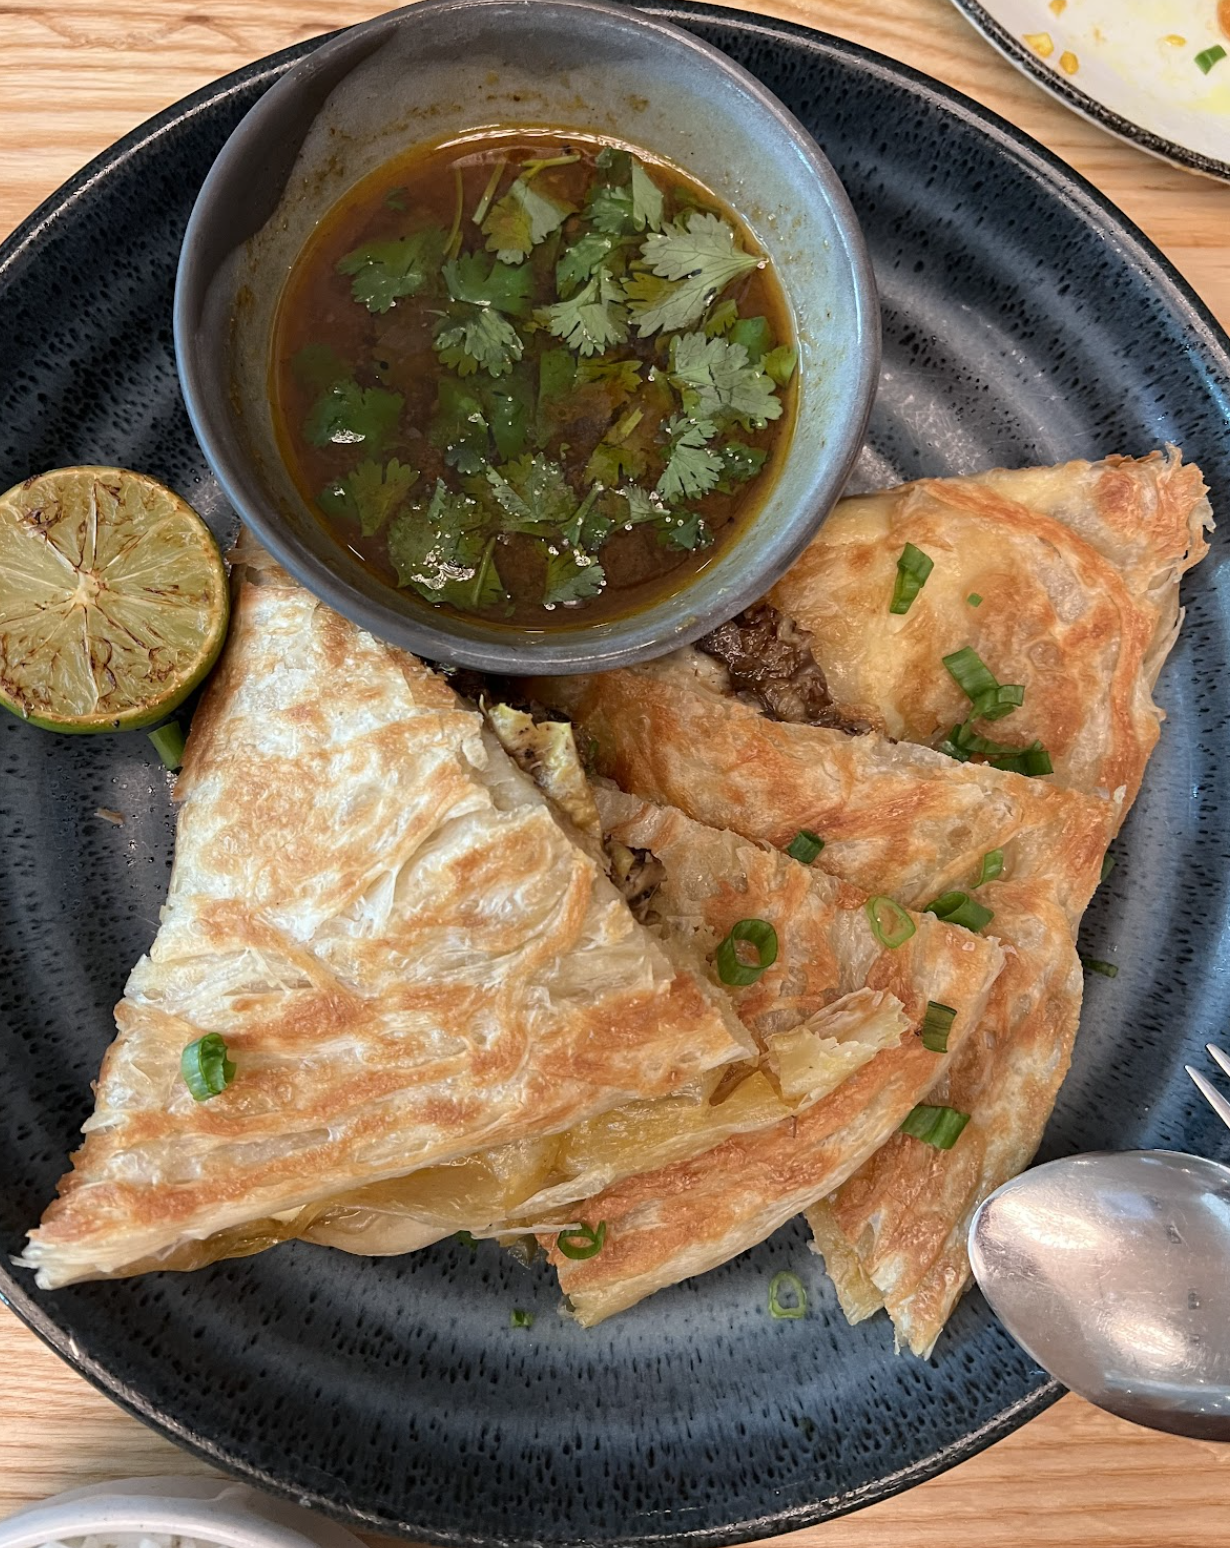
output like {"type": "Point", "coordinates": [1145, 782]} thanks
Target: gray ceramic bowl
{"type": "Point", "coordinates": [444, 66]}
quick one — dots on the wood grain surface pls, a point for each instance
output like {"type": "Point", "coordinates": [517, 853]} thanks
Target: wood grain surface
{"type": "Point", "coordinates": [77, 74]}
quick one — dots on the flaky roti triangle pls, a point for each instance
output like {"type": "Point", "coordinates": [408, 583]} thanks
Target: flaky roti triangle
{"type": "Point", "coordinates": [898, 820]}
{"type": "Point", "coordinates": [1065, 580]}
{"type": "Point", "coordinates": [408, 956]}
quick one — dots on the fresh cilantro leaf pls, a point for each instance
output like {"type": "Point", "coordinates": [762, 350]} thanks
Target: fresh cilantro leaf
{"type": "Point", "coordinates": [579, 521]}
{"type": "Point", "coordinates": [509, 405]}
{"type": "Point", "coordinates": [542, 490]}
{"type": "Point", "coordinates": [691, 468]}
{"type": "Point", "coordinates": [616, 163]}
{"type": "Point", "coordinates": [717, 381]}
{"type": "Point", "coordinates": [581, 259]}
{"type": "Point", "coordinates": [689, 262]}
{"type": "Point", "coordinates": [623, 377]}
{"type": "Point", "coordinates": [319, 366]}
{"type": "Point", "coordinates": [611, 465]}
{"type": "Point", "coordinates": [437, 546]}
{"type": "Point", "coordinates": [349, 415]}
{"type": "Point", "coordinates": [647, 199]}
{"type": "Point", "coordinates": [591, 321]}
{"type": "Point", "coordinates": [643, 506]}
{"type": "Point", "coordinates": [686, 531]}
{"type": "Point", "coordinates": [459, 426]}
{"type": "Point", "coordinates": [591, 525]}
{"type": "Point", "coordinates": [721, 319]}
{"type": "Point", "coordinates": [487, 282]}
{"type": "Point", "coordinates": [520, 220]}
{"type": "Point", "coordinates": [754, 334]}
{"type": "Point", "coordinates": [610, 210]}
{"type": "Point", "coordinates": [383, 271]}
{"type": "Point", "coordinates": [479, 339]}
{"type": "Point", "coordinates": [739, 464]}
{"type": "Point", "coordinates": [369, 494]}
{"type": "Point", "coordinates": [519, 514]}
{"type": "Point", "coordinates": [627, 200]}
{"type": "Point", "coordinates": [572, 577]}
{"type": "Point", "coordinates": [780, 364]}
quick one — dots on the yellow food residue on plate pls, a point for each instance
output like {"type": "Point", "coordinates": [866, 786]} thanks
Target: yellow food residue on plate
{"type": "Point", "coordinates": [1041, 42]}
{"type": "Point", "coordinates": [1058, 7]}
{"type": "Point", "coordinates": [1175, 39]}
{"type": "Point", "coordinates": [1068, 62]}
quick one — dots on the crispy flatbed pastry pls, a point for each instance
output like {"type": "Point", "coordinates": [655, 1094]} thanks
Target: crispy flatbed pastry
{"type": "Point", "coordinates": [408, 956]}
{"type": "Point", "coordinates": [663, 1226]}
{"type": "Point", "coordinates": [1077, 569]}
{"type": "Point", "coordinates": [829, 1014]}
{"type": "Point", "coordinates": [895, 818]}
{"type": "Point", "coordinates": [832, 1000]}
{"type": "Point", "coordinates": [902, 821]}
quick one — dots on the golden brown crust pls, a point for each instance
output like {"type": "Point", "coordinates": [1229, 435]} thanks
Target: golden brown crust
{"type": "Point", "coordinates": [407, 956]}
{"type": "Point", "coordinates": [909, 823]}
{"type": "Point", "coordinates": [1078, 569]}
{"type": "Point", "coordinates": [896, 819]}
{"type": "Point", "coordinates": [666, 1225]}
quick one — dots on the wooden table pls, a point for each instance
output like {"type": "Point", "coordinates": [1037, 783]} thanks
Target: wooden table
{"type": "Point", "coordinates": [76, 74]}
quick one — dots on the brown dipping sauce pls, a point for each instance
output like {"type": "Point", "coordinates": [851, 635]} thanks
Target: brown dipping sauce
{"type": "Point", "coordinates": [501, 429]}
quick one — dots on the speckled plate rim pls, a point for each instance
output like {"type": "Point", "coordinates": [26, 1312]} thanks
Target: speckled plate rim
{"type": "Point", "coordinates": [1134, 247]}
{"type": "Point", "coordinates": [1019, 54]}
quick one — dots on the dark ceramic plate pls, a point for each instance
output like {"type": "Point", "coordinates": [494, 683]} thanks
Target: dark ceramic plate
{"type": "Point", "coordinates": [1024, 321]}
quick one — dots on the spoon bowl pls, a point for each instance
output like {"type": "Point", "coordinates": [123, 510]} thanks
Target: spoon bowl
{"type": "Point", "coordinates": [1113, 1272]}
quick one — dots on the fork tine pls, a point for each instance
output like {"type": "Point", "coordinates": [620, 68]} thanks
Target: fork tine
{"type": "Point", "coordinates": [1220, 1056]}
{"type": "Point", "coordinates": [1211, 1094]}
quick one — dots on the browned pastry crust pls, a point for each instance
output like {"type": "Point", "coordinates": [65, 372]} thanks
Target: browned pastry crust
{"type": "Point", "coordinates": [408, 957]}
{"type": "Point", "coordinates": [1078, 569]}
{"type": "Point", "coordinates": [898, 820]}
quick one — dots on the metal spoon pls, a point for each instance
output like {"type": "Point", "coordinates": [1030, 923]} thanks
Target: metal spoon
{"type": "Point", "coordinates": [1113, 1272]}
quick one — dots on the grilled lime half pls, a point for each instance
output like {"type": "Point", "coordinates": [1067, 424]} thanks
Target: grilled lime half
{"type": "Point", "coordinates": [113, 600]}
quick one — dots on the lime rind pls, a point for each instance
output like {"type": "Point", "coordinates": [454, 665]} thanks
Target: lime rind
{"type": "Point", "coordinates": [113, 600]}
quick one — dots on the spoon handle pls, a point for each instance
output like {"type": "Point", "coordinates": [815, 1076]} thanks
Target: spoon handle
{"type": "Point", "coordinates": [1211, 1094]}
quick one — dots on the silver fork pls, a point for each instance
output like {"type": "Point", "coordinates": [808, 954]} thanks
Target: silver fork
{"type": "Point", "coordinates": [1207, 1089]}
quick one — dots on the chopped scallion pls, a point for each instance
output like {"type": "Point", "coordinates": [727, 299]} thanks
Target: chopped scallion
{"type": "Point", "coordinates": [971, 673]}
{"type": "Point", "coordinates": [805, 846]}
{"type": "Point", "coordinates": [937, 1126]}
{"type": "Point", "coordinates": [1093, 965]}
{"type": "Point", "coordinates": [890, 924]}
{"type": "Point", "coordinates": [960, 909]}
{"type": "Point", "coordinates": [953, 746]}
{"type": "Point", "coordinates": [168, 743]}
{"type": "Point", "coordinates": [913, 567]}
{"type": "Point", "coordinates": [974, 599]}
{"type": "Point", "coordinates": [1108, 865]}
{"type": "Point", "coordinates": [963, 743]}
{"type": "Point", "coordinates": [582, 1241]}
{"type": "Point", "coordinates": [206, 1069]}
{"type": "Point", "coordinates": [1030, 761]}
{"type": "Point", "coordinates": [937, 1024]}
{"type": "Point", "coordinates": [520, 1319]}
{"type": "Point", "coordinates": [795, 1305]}
{"type": "Point", "coordinates": [757, 933]}
{"type": "Point", "coordinates": [467, 1240]}
{"type": "Point", "coordinates": [992, 866]}
{"type": "Point", "coordinates": [1208, 57]}
{"type": "Point", "coordinates": [998, 702]}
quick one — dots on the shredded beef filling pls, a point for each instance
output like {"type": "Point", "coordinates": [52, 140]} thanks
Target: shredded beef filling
{"type": "Point", "coordinates": [770, 662]}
